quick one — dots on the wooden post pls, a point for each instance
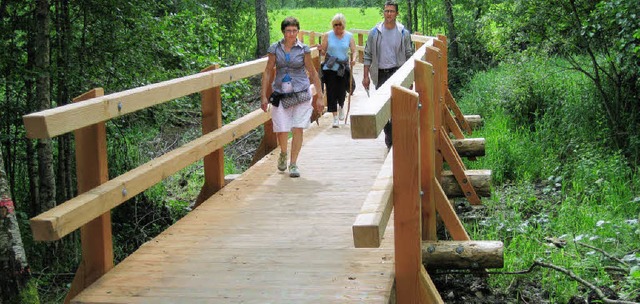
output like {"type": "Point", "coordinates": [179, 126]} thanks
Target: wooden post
{"type": "Point", "coordinates": [418, 44]}
{"type": "Point", "coordinates": [211, 103]}
{"type": "Point", "coordinates": [92, 170]}
{"type": "Point", "coordinates": [406, 193]}
{"type": "Point", "coordinates": [433, 56]}
{"type": "Point", "coordinates": [441, 43]}
{"type": "Point", "coordinates": [423, 74]}
{"type": "Point", "coordinates": [312, 39]}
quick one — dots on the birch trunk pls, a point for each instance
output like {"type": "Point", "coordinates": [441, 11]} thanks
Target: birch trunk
{"type": "Point", "coordinates": [14, 270]}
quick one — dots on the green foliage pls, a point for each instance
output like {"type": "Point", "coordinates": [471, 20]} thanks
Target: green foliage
{"type": "Point", "coordinates": [471, 42]}
{"type": "Point", "coordinates": [29, 294]}
{"type": "Point", "coordinates": [548, 106]}
{"type": "Point", "coordinates": [556, 177]}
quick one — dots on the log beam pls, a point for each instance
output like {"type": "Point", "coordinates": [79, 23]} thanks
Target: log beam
{"type": "Point", "coordinates": [463, 254]}
{"type": "Point", "coordinates": [480, 179]}
{"type": "Point", "coordinates": [475, 121]}
{"type": "Point", "coordinates": [469, 147]}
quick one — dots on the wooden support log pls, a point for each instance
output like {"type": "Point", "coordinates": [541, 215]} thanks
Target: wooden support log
{"type": "Point", "coordinates": [480, 179]}
{"type": "Point", "coordinates": [469, 147]}
{"type": "Point", "coordinates": [457, 167]}
{"type": "Point", "coordinates": [462, 254]}
{"type": "Point", "coordinates": [475, 121]}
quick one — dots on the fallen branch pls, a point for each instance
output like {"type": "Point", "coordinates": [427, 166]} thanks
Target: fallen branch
{"type": "Point", "coordinates": [572, 275]}
{"type": "Point", "coordinates": [605, 253]}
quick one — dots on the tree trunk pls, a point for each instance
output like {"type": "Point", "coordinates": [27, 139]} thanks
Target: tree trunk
{"type": "Point", "coordinates": [416, 24]}
{"type": "Point", "coordinates": [451, 29]}
{"type": "Point", "coordinates": [43, 98]}
{"type": "Point", "coordinates": [409, 16]}
{"type": "Point", "coordinates": [14, 270]}
{"type": "Point", "coordinates": [262, 28]}
{"type": "Point", "coordinates": [63, 27]}
{"type": "Point", "coordinates": [32, 158]}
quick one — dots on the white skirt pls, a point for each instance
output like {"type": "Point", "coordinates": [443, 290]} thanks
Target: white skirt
{"type": "Point", "coordinates": [293, 117]}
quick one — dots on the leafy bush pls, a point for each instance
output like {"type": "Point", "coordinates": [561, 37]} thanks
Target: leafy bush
{"type": "Point", "coordinates": [557, 179]}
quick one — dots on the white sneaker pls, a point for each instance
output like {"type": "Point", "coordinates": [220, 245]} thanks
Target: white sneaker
{"type": "Point", "coordinates": [341, 113]}
{"type": "Point", "coordinates": [336, 122]}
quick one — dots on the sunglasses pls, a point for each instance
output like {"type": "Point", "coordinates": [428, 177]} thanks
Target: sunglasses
{"type": "Point", "coordinates": [337, 24]}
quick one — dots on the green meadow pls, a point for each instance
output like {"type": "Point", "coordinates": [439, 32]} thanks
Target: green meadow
{"type": "Point", "coordinates": [319, 19]}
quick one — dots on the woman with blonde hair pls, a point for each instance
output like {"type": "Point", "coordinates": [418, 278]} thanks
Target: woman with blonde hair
{"type": "Point", "coordinates": [339, 49]}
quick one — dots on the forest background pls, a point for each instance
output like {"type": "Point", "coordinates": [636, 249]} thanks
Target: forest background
{"type": "Point", "coordinates": [555, 81]}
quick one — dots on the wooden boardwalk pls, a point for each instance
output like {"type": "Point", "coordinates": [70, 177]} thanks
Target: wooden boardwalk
{"type": "Point", "coordinates": [269, 238]}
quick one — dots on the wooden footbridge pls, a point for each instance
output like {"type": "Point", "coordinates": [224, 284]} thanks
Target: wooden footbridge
{"type": "Point", "coordinates": [357, 227]}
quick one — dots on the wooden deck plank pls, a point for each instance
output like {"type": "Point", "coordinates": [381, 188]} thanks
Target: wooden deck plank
{"type": "Point", "coordinates": [268, 238]}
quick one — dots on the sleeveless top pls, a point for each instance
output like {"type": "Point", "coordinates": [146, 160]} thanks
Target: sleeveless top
{"type": "Point", "coordinates": [338, 47]}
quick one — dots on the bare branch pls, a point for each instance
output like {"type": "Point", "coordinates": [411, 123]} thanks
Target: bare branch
{"type": "Point", "coordinates": [604, 253]}
{"type": "Point", "coordinates": [573, 276]}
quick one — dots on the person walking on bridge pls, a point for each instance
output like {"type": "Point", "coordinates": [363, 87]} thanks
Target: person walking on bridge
{"type": "Point", "coordinates": [338, 65]}
{"type": "Point", "coordinates": [388, 47]}
{"type": "Point", "coordinates": [292, 99]}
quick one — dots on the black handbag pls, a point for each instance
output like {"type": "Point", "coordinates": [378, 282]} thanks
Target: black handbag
{"type": "Point", "coordinates": [275, 97]}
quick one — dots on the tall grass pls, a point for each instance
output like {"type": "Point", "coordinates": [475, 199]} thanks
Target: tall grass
{"type": "Point", "coordinates": [319, 19]}
{"type": "Point", "coordinates": [557, 180]}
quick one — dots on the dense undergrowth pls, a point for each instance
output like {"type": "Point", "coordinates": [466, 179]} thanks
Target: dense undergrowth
{"type": "Point", "coordinates": [562, 195]}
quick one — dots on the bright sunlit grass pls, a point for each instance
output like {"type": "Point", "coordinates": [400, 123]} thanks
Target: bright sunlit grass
{"type": "Point", "coordinates": [319, 19]}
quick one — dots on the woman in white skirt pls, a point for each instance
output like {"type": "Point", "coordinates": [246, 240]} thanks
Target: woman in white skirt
{"type": "Point", "coordinates": [292, 60]}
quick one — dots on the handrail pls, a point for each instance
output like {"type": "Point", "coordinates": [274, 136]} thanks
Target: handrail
{"type": "Point", "coordinates": [71, 215]}
{"type": "Point", "coordinates": [60, 120]}
{"type": "Point", "coordinates": [368, 121]}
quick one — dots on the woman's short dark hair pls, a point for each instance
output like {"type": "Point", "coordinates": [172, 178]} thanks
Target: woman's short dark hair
{"type": "Point", "coordinates": [395, 4]}
{"type": "Point", "coordinates": [289, 21]}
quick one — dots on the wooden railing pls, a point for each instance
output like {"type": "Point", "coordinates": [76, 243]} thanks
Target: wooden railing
{"type": "Point", "coordinates": [401, 180]}
{"type": "Point", "coordinates": [411, 180]}
{"type": "Point", "coordinates": [90, 210]}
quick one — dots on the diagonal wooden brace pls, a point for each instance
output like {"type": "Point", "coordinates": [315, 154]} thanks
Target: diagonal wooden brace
{"type": "Point", "coordinates": [457, 167]}
{"type": "Point", "coordinates": [451, 124]}
{"type": "Point", "coordinates": [448, 215]}
{"type": "Point", "coordinates": [453, 127]}
{"type": "Point", "coordinates": [451, 103]}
